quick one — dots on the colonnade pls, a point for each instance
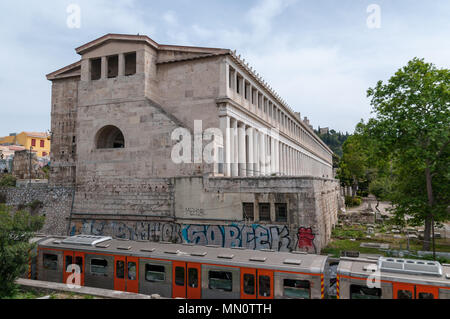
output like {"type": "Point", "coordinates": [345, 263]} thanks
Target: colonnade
{"type": "Point", "coordinates": [249, 151]}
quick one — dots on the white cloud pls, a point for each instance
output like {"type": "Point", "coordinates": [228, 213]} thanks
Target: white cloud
{"type": "Point", "coordinates": [170, 18]}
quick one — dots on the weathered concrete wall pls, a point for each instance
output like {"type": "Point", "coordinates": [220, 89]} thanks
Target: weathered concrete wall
{"type": "Point", "coordinates": [56, 204]}
{"type": "Point", "coordinates": [252, 236]}
{"type": "Point", "coordinates": [64, 139]}
{"type": "Point", "coordinates": [209, 211]}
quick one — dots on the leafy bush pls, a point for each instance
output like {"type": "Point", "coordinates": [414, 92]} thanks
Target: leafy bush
{"type": "Point", "coordinates": [352, 201]}
{"type": "Point", "coordinates": [363, 193]}
{"type": "Point", "coordinates": [8, 180]}
{"type": "Point", "coordinates": [16, 229]}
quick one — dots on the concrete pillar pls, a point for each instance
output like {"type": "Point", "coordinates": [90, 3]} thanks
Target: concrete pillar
{"type": "Point", "coordinates": [234, 149]}
{"type": "Point", "coordinates": [291, 162]}
{"type": "Point", "coordinates": [268, 156]}
{"type": "Point", "coordinates": [262, 153]}
{"type": "Point", "coordinates": [251, 149]}
{"type": "Point", "coordinates": [242, 150]}
{"type": "Point", "coordinates": [121, 64]}
{"type": "Point", "coordinates": [256, 153]}
{"type": "Point", "coordinates": [225, 128]}
{"type": "Point", "coordinates": [104, 70]}
{"type": "Point", "coordinates": [273, 156]}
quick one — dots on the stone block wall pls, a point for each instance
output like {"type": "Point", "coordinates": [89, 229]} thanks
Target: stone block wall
{"type": "Point", "coordinates": [56, 204]}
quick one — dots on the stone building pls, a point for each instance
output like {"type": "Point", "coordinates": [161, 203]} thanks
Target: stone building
{"type": "Point", "coordinates": [186, 144]}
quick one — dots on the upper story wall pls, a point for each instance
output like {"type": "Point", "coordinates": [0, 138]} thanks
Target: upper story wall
{"type": "Point", "coordinates": [117, 70]}
{"type": "Point", "coordinates": [189, 89]}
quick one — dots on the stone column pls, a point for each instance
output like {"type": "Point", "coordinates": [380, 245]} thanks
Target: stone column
{"type": "Point", "coordinates": [273, 156]}
{"type": "Point", "coordinates": [277, 157]}
{"type": "Point", "coordinates": [225, 128]}
{"type": "Point", "coordinates": [234, 149]}
{"type": "Point", "coordinates": [251, 159]}
{"type": "Point", "coordinates": [242, 150]}
{"type": "Point", "coordinates": [291, 168]}
{"type": "Point", "coordinates": [121, 64]}
{"type": "Point", "coordinates": [262, 153]}
{"type": "Point", "coordinates": [104, 71]}
{"type": "Point", "coordinates": [256, 153]}
{"type": "Point", "coordinates": [268, 156]}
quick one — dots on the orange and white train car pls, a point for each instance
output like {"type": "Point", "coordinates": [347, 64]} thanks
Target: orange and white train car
{"type": "Point", "coordinates": [181, 270]}
{"type": "Point", "coordinates": [392, 278]}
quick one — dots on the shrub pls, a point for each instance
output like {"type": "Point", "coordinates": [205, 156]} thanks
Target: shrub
{"type": "Point", "coordinates": [8, 180]}
{"type": "Point", "coordinates": [352, 201]}
{"type": "Point", "coordinates": [16, 229]}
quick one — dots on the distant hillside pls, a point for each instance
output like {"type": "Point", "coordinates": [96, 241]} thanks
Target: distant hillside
{"type": "Point", "coordinates": [333, 139]}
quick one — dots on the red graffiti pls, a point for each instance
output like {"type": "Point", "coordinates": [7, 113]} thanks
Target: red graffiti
{"type": "Point", "coordinates": [306, 239]}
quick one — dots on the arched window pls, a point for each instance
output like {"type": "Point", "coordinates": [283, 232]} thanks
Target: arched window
{"type": "Point", "coordinates": [110, 137]}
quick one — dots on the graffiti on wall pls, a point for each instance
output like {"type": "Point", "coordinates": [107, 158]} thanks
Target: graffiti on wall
{"type": "Point", "coordinates": [255, 236]}
{"type": "Point", "coordinates": [238, 235]}
{"type": "Point", "coordinates": [151, 231]}
{"type": "Point", "coordinates": [306, 239]}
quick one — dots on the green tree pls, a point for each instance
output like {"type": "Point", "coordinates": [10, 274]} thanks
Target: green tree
{"type": "Point", "coordinates": [381, 188]}
{"type": "Point", "coordinates": [353, 167]}
{"type": "Point", "coordinates": [412, 127]}
{"type": "Point", "coordinates": [16, 229]}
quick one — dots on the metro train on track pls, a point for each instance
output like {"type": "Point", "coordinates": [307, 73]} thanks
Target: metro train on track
{"type": "Point", "coordinates": [197, 272]}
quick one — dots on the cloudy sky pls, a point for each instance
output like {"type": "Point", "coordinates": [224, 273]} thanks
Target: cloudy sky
{"type": "Point", "coordinates": [321, 56]}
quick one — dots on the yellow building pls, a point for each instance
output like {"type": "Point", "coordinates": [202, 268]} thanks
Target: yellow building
{"type": "Point", "coordinates": [40, 142]}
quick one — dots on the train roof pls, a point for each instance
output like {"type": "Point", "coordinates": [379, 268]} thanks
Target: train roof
{"type": "Point", "coordinates": [268, 259]}
{"type": "Point", "coordinates": [397, 269]}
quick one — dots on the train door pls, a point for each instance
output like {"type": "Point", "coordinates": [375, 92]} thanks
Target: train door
{"type": "Point", "coordinates": [256, 283]}
{"type": "Point", "coordinates": [411, 291]}
{"type": "Point", "coordinates": [119, 273]}
{"type": "Point", "coordinates": [132, 274]}
{"type": "Point", "coordinates": [72, 259]}
{"type": "Point", "coordinates": [248, 283]}
{"type": "Point", "coordinates": [186, 280]}
{"type": "Point", "coordinates": [126, 274]}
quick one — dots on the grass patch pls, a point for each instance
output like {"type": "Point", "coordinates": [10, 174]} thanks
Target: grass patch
{"type": "Point", "coordinates": [336, 246]}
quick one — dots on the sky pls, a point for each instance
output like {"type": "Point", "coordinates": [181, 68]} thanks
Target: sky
{"type": "Point", "coordinates": [320, 56]}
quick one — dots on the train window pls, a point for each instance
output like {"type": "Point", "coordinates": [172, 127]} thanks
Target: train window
{"type": "Point", "coordinates": [362, 292]}
{"type": "Point", "coordinates": [221, 280]}
{"type": "Point", "coordinates": [120, 269]}
{"type": "Point", "coordinates": [99, 266]}
{"type": "Point", "coordinates": [426, 295]}
{"type": "Point", "coordinates": [193, 277]}
{"type": "Point", "coordinates": [249, 284]}
{"type": "Point", "coordinates": [297, 288]}
{"type": "Point", "coordinates": [132, 271]}
{"type": "Point", "coordinates": [264, 286]}
{"type": "Point", "coordinates": [69, 262]}
{"type": "Point", "coordinates": [179, 276]}
{"type": "Point", "coordinates": [154, 273]}
{"type": "Point", "coordinates": [404, 294]}
{"type": "Point", "coordinates": [50, 261]}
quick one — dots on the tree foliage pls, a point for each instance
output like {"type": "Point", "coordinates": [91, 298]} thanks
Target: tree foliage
{"type": "Point", "coordinates": [16, 229]}
{"type": "Point", "coordinates": [411, 128]}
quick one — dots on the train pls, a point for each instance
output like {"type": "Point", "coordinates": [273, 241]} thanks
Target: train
{"type": "Point", "coordinates": [190, 271]}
